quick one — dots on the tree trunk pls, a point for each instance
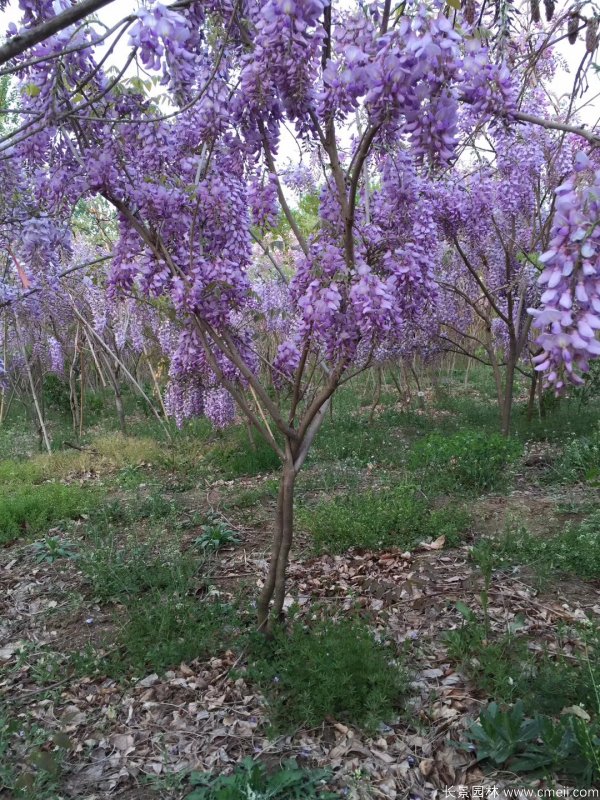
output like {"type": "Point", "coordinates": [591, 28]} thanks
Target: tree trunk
{"type": "Point", "coordinates": [377, 397]}
{"type": "Point", "coordinates": [509, 382]}
{"type": "Point", "coordinates": [531, 400]}
{"type": "Point", "coordinates": [114, 382]}
{"type": "Point", "coordinates": [274, 586]}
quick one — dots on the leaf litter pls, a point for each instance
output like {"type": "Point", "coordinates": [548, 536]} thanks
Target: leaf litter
{"type": "Point", "coordinates": [121, 739]}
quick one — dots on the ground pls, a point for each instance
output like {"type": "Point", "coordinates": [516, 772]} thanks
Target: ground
{"type": "Point", "coordinates": [479, 574]}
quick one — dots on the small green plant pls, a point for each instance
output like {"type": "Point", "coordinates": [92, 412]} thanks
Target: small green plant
{"type": "Point", "coordinates": [52, 549]}
{"type": "Point", "coordinates": [483, 555]}
{"type": "Point", "coordinates": [492, 665]}
{"type": "Point", "coordinates": [469, 461]}
{"type": "Point", "coordinates": [569, 746]}
{"type": "Point", "coordinates": [31, 758]}
{"type": "Point", "coordinates": [251, 781]}
{"type": "Point", "coordinates": [330, 670]}
{"type": "Point", "coordinates": [215, 536]}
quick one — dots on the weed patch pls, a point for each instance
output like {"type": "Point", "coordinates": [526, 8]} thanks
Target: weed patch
{"type": "Point", "coordinates": [117, 568]}
{"type": "Point", "coordinates": [504, 668]}
{"type": "Point", "coordinates": [332, 670]}
{"type": "Point", "coordinates": [26, 509]}
{"type": "Point", "coordinates": [236, 456]}
{"type": "Point", "coordinates": [251, 780]}
{"type": "Point", "coordinates": [580, 460]}
{"type": "Point", "coordinates": [468, 461]}
{"type": "Point", "coordinates": [163, 629]}
{"type": "Point", "coordinates": [573, 551]}
{"type": "Point", "coordinates": [397, 517]}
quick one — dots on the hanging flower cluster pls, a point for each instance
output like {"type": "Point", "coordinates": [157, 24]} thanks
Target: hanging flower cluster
{"type": "Point", "coordinates": [569, 313]}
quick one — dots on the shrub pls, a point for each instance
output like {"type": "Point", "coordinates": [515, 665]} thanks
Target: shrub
{"type": "Point", "coordinates": [26, 509]}
{"type": "Point", "coordinates": [330, 670]}
{"type": "Point", "coordinates": [397, 517]}
{"type": "Point", "coordinates": [466, 461]}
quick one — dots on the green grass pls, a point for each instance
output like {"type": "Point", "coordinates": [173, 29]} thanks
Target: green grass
{"type": "Point", "coordinates": [398, 517]}
{"type": "Point", "coordinates": [234, 455]}
{"type": "Point", "coordinates": [575, 550]}
{"type": "Point", "coordinates": [503, 667]}
{"type": "Point", "coordinates": [28, 510]}
{"type": "Point", "coordinates": [32, 758]}
{"type": "Point", "coordinates": [580, 459]}
{"type": "Point", "coordinates": [163, 629]}
{"type": "Point", "coordinates": [469, 461]}
{"type": "Point", "coordinates": [334, 670]}
{"type": "Point", "coordinates": [117, 568]}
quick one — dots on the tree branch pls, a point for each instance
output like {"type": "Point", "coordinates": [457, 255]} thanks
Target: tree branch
{"type": "Point", "coordinates": [23, 41]}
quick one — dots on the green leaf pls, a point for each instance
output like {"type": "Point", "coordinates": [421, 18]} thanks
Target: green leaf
{"type": "Point", "coordinates": [31, 90]}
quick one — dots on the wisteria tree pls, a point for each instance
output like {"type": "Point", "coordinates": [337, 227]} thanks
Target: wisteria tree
{"type": "Point", "coordinates": [496, 219]}
{"type": "Point", "coordinates": [375, 95]}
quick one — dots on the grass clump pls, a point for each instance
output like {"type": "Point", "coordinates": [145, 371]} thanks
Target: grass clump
{"type": "Point", "coordinates": [397, 517]}
{"type": "Point", "coordinates": [573, 551]}
{"type": "Point", "coordinates": [165, 628]}
{"type": "Point", "coordinates": [469, 461]}
{"type": "Point", "coordinates": [26, 509]}
{"type": "Point", "coordinates": [236, 455]}
{"type": "Point", "coordinates": [580, 460]}
{"type": "Point", "coordinates": [330, 670]}
{"type": "Point", "coordinates": [117, 568]}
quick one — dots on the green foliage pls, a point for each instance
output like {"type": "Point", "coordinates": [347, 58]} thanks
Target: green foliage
{"type": "Point", "coordinates": [57, 394]}
{"type": "Point", "coordinates": [569, 746]}
{"type": "Point", "coordinates": [163, 629]}
{"type": "Point", "coordinates": [215, 536]}
{"type": "Point", "coordinates": [251, 780]}
{"type": "Point", "coordinates": [468, 461]}
{"type": "Point", "coordinates": [31, 758]}
{"type": "Point", "coordinates": [397, 517]}
{"type": "Point", "coordinates": [247, 498]}
{"type": "Point", "coordinates": [580, 460]}
{"type": "Point", "coordinates": [26, 509]}
{"type": "Point", "coordinates": [330, 670]}
{"type": "Point", "coordinates": [503, 666]}
{"type": "Point", "coordinates": [235, 455]}
{"type": "Point", "coordinates": [117, 568]}
{"type": "Point", "coordinates": [52, 549]}
{"type": "Point", "coordinates": [18, 471]}
{"type": "Point", "coordinates": [573, 551]}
